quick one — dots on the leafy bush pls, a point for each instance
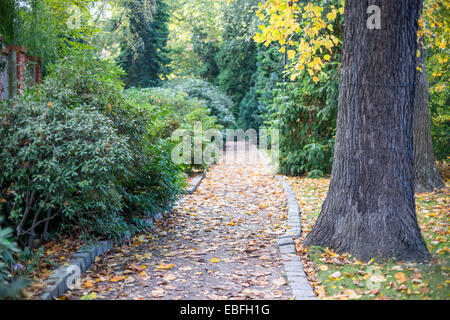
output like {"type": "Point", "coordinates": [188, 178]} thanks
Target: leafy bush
{"type": "Point", "coordinates": [305, 113]}
{"type": "Point", "coordinates": [9, 284]}
{"type": "Point", "coordinates": [171, 109]}
{"type": "Point", "coordinates": [76, 149]}
{"type": "Point", "coordinates": [218, 103]}
{"type": "Point", "coordinates": [60, 161]}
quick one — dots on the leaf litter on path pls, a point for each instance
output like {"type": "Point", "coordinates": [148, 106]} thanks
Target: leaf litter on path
{"type": "Point", "coordinates": [220, 243]}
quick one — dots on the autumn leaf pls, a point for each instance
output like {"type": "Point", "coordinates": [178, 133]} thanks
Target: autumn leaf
{"type": "Point", "coordinates": [323, 267]}
{"type": "Point", "coordinates": [88, 284]}
{"type": "Point", "coordinates": [116, 278]}
{"type": "Point", "coordinates": [164, 266]}
{"type": "Point", "coordinates": [91, 296]}
{"type": "Point", "coordinates": [335, 276]}
{"type": "Point", "coordinates": [158, 293]}
{"type": "Point", "coordinates": [279, 282]}
{"type": "Point", "coordinates": [401, 277]}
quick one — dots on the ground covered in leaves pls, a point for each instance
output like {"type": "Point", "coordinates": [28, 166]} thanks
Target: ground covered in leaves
{"type": "Point", "coordinates": [336, 276]}
{"type": "Point", "coordinates": [217, 244]}
{"type": "Point", "coordinates": [43, 261]}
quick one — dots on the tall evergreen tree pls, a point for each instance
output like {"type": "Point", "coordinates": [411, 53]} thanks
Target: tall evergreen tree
{"type": "Point", "coordinates": [144, 56]}
{"type": "Point", "coordinates": [8, 20]}
{"type": "Point", "coordinates": [253, 109]}
{"type": "Point", "coordinates": [237, 56]}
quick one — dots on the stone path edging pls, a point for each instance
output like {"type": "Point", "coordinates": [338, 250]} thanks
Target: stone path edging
{"type": "Point", "coordinates": [56, 285]}
{"type": "Point", "coordinates": [293, 265]}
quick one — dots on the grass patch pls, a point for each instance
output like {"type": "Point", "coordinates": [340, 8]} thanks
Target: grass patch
{"type": "Point", "coordinates": [336, 276]}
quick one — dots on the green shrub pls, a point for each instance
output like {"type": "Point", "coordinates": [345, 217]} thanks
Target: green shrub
{"type": "Point", "coordinates": [171, 109]}
{"type": "Point", "coordinates": [10, 285]}
{"type": "Point", "coordinates": [217, 102]}
{"type": "Point", "coordinates": [61, 162]}
{"type": "Point", "coordinates": [86, 81]}
{"type": "Point", "coordinates": [305, 113]}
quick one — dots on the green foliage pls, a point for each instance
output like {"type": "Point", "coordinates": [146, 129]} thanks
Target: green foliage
{"type": "Point", "coordinates": [60, 161]}
{"type": "Point", "coordinates": [9, 284]}
{"type": "Point", "coordinates": [305, 113]}
{"type": "Point", "coordinates": [89, 155]}
{"type": "Point", "coordinates": [170, 109]}
{"type": "Point", "coordinates": [237, 56]}
{"type": "Point", "coordinates": [143, 56]}
{"type": "Point", "coordinates": [8, 20]}
{"type": "Point", "coordinates": [219, 104]}
{"type": "Point", "coordinates": [44, 28]}
{"type": "Point", "coordinates": [435, 27]}
{"type": "Point", "coordinates": [253, 110]}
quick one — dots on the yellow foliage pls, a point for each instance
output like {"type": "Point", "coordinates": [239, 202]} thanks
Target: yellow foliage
{"type": "Point", "coordinates": [309, 52]}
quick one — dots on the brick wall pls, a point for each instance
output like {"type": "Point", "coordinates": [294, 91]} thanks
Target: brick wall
{"type": "Point", "coordinates": [21, 61]}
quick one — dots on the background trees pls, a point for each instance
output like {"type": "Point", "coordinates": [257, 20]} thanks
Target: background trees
{"type": "Point", "coordinates": [237, 56]}
{"type": "Point", "coordinates": [143, 55]}
{"type": "Point", "coordinates": [311, 34]}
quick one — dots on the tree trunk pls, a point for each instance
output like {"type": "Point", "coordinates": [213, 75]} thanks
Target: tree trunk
{"type": "Point", "coordinates": [426, 175]}
{"type": "Point", "coordinates": [370, 207]}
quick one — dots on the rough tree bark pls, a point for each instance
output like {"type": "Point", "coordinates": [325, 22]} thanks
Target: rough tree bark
{"type": "Point", "coordinates": [426, 175]}
{"type": "Point", "coordinates": [370, 208]}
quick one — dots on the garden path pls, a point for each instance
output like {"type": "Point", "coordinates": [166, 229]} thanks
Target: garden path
{"type": "Point", "coordinates": [219, 243]}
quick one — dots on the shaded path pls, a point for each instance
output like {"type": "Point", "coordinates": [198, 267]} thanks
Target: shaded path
{"type": "Point", "coordinates": [218, 244]}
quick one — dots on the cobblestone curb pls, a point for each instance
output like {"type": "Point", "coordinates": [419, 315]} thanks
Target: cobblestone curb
{"type": "Point", "coordinates": [293, 265]}
{"type": "Point", "coordinates": [195, 182]}
{"type": "Point", "coordinates": [57, 284]}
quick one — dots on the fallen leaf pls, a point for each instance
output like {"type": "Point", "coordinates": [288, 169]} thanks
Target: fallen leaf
{"type": "Point", "coordinates": [164, 266]}
{"type": "Point", "coordinates": [401, 277]}
{"type": "Point", "coordinates": [158, 293]}
{"type": "Point", "coordinates": [335, 275]}
{"type": "Point", "coordinates": [279, 282]}
{"type": "Point", "coordinates": [91, 296]}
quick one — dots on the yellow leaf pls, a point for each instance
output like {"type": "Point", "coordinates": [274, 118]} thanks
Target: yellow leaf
{"type": "Point", "coordinates": [332, 15]}
{"type": "Point", "coordinates": [215, 260]}
{"type": "Point", "coordinates": [291, 54]}
{"type": "Point", "coordinates": [116, 278]}
{"type": "Point", "coordinates": [88, 284]}
{"type": "Point", "coordinates": [164, 266]}
{"type": "Point", "coordinates": [401, 277]}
